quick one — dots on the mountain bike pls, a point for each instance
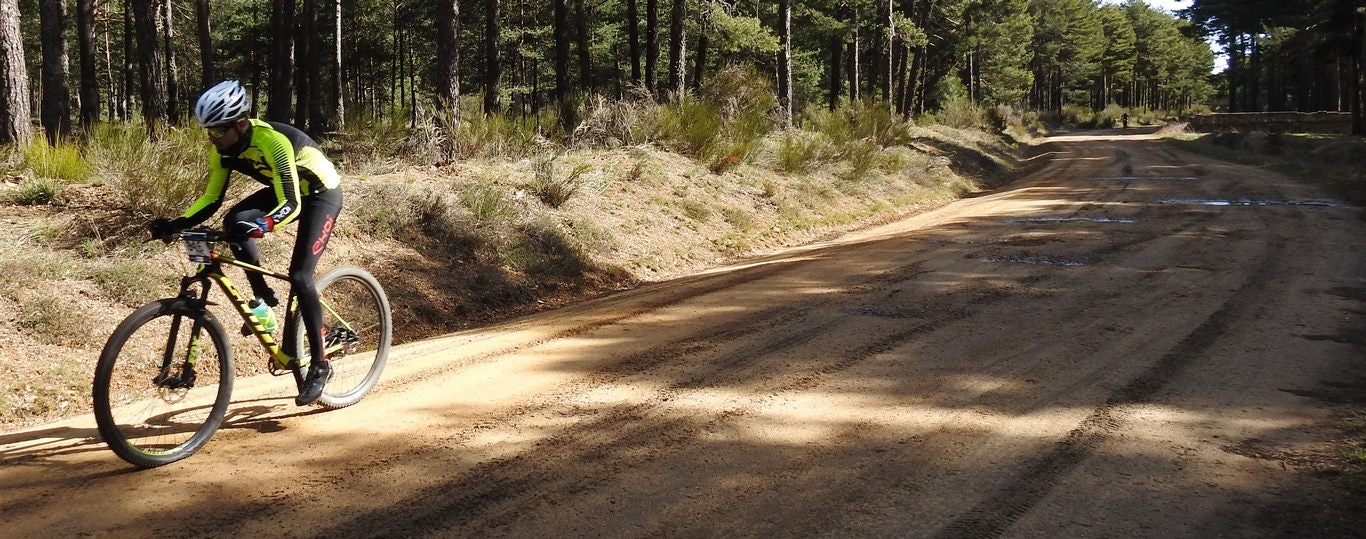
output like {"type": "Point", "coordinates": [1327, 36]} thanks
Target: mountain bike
{"type": "Point", "coordinates": [161, 390]}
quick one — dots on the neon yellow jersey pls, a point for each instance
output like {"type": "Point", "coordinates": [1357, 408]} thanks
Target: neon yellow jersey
{"type": "Point", "coordinates": [276, 155]}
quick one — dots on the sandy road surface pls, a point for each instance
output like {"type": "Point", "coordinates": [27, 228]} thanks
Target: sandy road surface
{"type": "Point", "coordinates": [1089, 351]}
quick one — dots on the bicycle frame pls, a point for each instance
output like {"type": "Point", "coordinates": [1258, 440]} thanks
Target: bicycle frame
{"type": "Point", "coordinates": [212, 271]}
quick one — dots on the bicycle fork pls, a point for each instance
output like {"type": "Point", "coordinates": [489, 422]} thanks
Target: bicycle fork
{"type": "Point", "coordinates": [186, 377]}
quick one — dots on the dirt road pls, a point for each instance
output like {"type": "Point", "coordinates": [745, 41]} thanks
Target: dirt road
{"type": "Point", "coordinates": [1130, 341]}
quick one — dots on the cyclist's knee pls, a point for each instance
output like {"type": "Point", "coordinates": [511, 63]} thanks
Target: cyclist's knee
{"type": "Point", "coordinates": [301, 280]}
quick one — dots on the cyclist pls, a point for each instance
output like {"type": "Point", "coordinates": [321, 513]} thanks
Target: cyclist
{"type": "Point", "coordinates": [301, 185]}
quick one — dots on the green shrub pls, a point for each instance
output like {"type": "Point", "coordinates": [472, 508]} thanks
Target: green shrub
{"type": "Point", "coordinates": [54, 321]}
{"type": "Point", "coordinates": [863, 157]}
{"type": "Point", "coordinates": [543, 249]}
{"type": "Point", "coordinates": [690, 126]}
{"type": "Point", "coordinates": [608, 123]}
{"type": "Point", "coordinates": [383, 210]}
{"type": "Point", "coordinates": [726, 123]}
{"type": "Point", "coordinates": [128, 283]}
{"type": "Point", "coordinates": [441, 224]}
{"type": "Point", "coordinates": [798, 150]}
{"type": "Point", "coordinates": [552, 189]}
{"type": "Point", "coordinates": [741, 138]}
{"type": "Point", "coordinates": [696, 210]}
{"type": "Point", "coordinates": [502, 135]}
{"type": "Point", "coordinates": [962, 113]}
{"type": "Point", "coordinates": [591, 236]}
{"type": "Point", "coordinates": [740, 90]}
{"type": "Point", "coordinates": [487, 202]}
{"type": "Point", "coordinates": [836, 126]}
{"type": "Point", "coordinates": [769, 189]}
{"type": "Point", "coordinates": [63, 162]}
{"type": "Point", "coordinates": [36, 192]}
{"type": "Point", "coordinates": [737, 218]}
{"type": "Point", "coordinates": [1110, 117]}
{"type": "Point", "coordinates": [1020, 125]}
{"type": "Point", "coordinates": [158, 178]}
{"type": "Point", "coordinates": [1078, 116]}
{"type": "Point", "coordinates": [367, 145]}
{"type": "Point", "coordinates": [875, 121]}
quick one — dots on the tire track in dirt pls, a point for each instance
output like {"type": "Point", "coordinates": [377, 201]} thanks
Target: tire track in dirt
{"type": "Point", "coordinates": [535, 474]}
{"type": "Point", "coordinates": [996, 513]}
{"type": "Point", "coordinates": [631, 364]}
{"type": "Point", "coordinates": [857, 496]}
{"type": "Point", "coordinates": [670, 296]}
{"type": "Point", "coordinates": [860, 494]}
{"type": "Point", "coordinates": [669, 435]}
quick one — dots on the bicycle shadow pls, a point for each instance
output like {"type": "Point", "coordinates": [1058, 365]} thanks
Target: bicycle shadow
{"type": "Point", "coordinates": [53, 446]}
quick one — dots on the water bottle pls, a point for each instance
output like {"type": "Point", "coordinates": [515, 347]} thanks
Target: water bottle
{"type": "Point", "coordinates": [264, 314]}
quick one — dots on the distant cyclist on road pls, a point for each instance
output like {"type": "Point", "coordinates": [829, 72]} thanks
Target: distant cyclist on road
{"type": "Point", "coordinates": [1124, 120]}
{"type": "Point", "coordinates": [301, 185]}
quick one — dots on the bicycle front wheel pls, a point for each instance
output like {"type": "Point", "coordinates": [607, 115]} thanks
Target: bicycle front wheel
{"type": "Point", "coordinates": [357, 333]}
{"type": "Point", "coordinates": [160, 391]}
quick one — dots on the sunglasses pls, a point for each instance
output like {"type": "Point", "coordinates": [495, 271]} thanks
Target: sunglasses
{"type": "Point", "coordinates": [218, 131]}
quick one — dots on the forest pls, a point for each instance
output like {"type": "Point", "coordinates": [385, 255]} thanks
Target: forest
{"type": "Point", "coordinates": [320, 64]}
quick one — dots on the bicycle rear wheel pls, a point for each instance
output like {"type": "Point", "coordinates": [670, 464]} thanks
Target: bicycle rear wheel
{"type": "Point", "coordinates": [160, 392]}
{"type": "Point", "coordinates": [357, 333]}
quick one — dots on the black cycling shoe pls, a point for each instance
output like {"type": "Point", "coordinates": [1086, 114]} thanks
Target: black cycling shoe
{"type": "Point", "coordinates": [319, 372]}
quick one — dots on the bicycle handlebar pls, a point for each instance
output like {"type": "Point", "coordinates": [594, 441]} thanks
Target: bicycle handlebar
{"type": "Point", "coordinates": [201, 234]}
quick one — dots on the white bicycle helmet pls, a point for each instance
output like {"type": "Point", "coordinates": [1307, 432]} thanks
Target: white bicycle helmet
{"type": "Point", "coordinates": [223, 104]}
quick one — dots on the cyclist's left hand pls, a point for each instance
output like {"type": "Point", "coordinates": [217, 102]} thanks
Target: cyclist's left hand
{"type": "Point", "coordinates": [163, 229]}
{"type": "Point", "coordinates": [255, 228]}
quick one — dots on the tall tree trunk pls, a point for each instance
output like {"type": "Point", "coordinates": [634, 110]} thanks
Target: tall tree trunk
{"type": "Point", "coordinates": [56, 108]}
{"type": "Point", "coordinates": [700, 60]}
{"type": "Point", "coordinates": [306, 58]}
{"type": "Point", "coordinates": [1358, 103]}
{"type": "Point", "coordinates": [519, 64]}
{"type": "Point", "coordinates": [886, 59]}
{"type": "Point", "coordinates": [281, 60]}
{"type": "Point", "coordinates": [314, 67]}
{"type": "Point", "coordinates": [562, 88]}
{"type": "Point", "coordinates": [915, 103]}
{"type": "Point", "coordinates": [651, 44]}
{"type": "Point", "coordinates": [114, 96]}
{"type": "Point", "coordinates": [447, 81]}
{"type": "Point", "coordinates": [338, 96]}
{"type": "Point", "coordinates": [836, 51]}
{"type": "Point", "coordinates": [677, 52]}
{"type": "Point", "coordinates": [126, 106]}
{"type": "Point", "coordinates": [172, 75]}
{"type": "Point", "coordinates": [899, 79]}
{"type": "Point", "coordinates": [317, 123]}
{"type": "Point", "coordinates": [15, 123]}
{"type": "Point", "coordinates": [412, 83]}
{"type": "Point", "coordinates": [1232, 74]}
{"type": "Point", "coordinates": [90, 83]}
{"type": "Point", "coordinates": [1254, 92]}
{"type": "Point", "coordinates": [153, 87]}
{"type": "Point", "coordinates": [633, 39]}
{"type": "Point", "coordinates": [854, 75]}
{"type": "Point", "coordinates": [586, 79]}
{"type": "Point", "coordinates": [785, 61]}
{"type": "Point", "coordinates": [493, 65]}
{"type": "Point", "coordinates": [208, 76]}
{"type": "Point", "coordinates": [616, 70]}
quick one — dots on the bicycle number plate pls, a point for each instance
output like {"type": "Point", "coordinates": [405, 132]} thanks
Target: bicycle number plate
{"type": "Point", "coordinates": [199, 251]}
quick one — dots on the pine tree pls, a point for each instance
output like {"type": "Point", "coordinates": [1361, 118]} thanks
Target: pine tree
{"type": "Point", "coordinates": [15, 125]}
